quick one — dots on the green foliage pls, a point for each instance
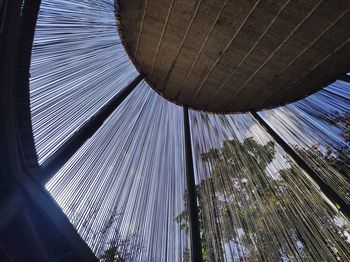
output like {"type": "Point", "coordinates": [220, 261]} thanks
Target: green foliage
{"type": "Point", "coordinates": [338, 158]}
{"type": "Point", "coordinates": [112, 255]}
{"type": "Point", "coordinates": [226, 165]}
{"type": "Point", "coordinates": [243, 164]}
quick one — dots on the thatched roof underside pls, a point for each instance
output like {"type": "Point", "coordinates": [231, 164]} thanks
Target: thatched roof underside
{"type": "Point", "coordinates": [236, 55]}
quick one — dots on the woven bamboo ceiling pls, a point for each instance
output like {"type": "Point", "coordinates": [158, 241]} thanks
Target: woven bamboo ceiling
{"type": "Point", "coordinates": [236, 55]}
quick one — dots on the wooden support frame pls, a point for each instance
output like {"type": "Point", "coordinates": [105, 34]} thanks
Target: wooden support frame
{"type": "Point", "coordinates": [68, 149]}
{"type": "Point", "coordinates": [324, 187]}
{"type": "Point", "coordinates": [196, 246]}
{"type": "Point", "coordinates": [20, 189]}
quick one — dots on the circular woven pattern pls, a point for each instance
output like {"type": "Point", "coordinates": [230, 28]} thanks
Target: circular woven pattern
{"type": "Point", "coordinates": [236, 56]}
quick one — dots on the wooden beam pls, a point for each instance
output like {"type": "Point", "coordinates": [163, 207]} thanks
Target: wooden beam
{"type": "Point", "coordinates": [13, 176]}
{"type": "Point", "coordinates": [324, 187]}
{"type": "Point", "coordinates": [192, 208]}
{"type": "Point", "coordinates": [67, 150]}
{"type": "Point", "coordinates": [201, 48]}
{"type": "Point", "coordinates": [181, 44]}
{"type": "Point", "coordinates": [35, 193]}
{"type": "Point", "coordinates": [300, 54]}
{"type": "Point", "coordinates": [140, 32]}
{"type": "Point", "coordinates": [161, 36]}
{"type": "Point", "coordinates": [240, 89]}
{"type": "Point", "coordinates": [249, 52]}
{"type": "Point", "coordinates": [225, 50]}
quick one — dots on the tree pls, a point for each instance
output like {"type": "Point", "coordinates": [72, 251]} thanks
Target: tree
{"type": "Point", "coordinates": [242, 207]}
{"type": "Point", "coordinates": [226, 168]}
{"type": "Point", "coordinates": [336, 158]}
{"type": "Point", "coordinates": [332, 162]}
{"type": "Point", "coordinates": [112, 255]}
{"type": "Point", "coordinates": [108, 243]}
